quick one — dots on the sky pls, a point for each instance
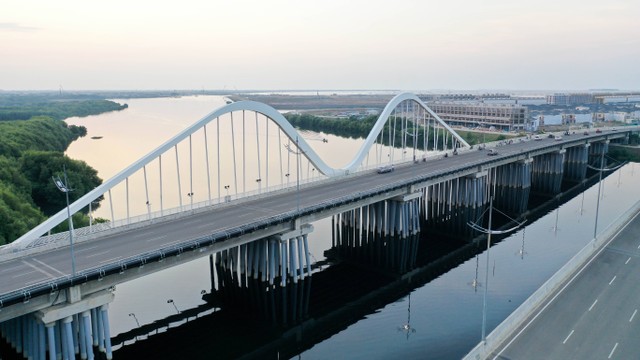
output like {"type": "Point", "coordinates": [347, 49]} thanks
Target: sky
{"type": "Point", "coordinates": [320, 45]}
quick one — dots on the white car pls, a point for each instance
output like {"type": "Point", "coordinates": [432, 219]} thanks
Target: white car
{"type": "Point", "coordinates": [558, 138]}
{"type": "Point", "coordinates": [537, 137]}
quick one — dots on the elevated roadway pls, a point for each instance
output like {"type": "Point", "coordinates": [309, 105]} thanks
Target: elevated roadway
{"type": "Point", "coordinates": [222, 227]}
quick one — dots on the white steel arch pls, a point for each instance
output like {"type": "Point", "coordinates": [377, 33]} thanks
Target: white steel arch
{"type": "Point", "coordinates": [257, 107]}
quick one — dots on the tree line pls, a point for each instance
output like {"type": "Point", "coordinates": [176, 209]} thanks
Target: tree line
{"type": "Point", "coordinates": [32, 145]}
{"type": "Point", "coordinates": [355, 127]}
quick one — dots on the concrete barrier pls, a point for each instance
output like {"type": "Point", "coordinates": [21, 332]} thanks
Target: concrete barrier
{"type": "Point", "coordinates": [518, 316]}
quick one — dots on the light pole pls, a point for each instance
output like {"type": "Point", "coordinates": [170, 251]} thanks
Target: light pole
{"type": "Point", "coordinates": [601, 169]}
{"type": "Point", "coordinates": [63, 186]}
{"type": "Point", "coordinates": [170, 301]}
{"type": "Point", "coordinates": [489, 232]}
{"type": "Point", "coordinates": [135, 318]}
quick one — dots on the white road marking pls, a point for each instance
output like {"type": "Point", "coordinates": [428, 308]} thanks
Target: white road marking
{"type": "Point", "coordinates": [86, 249]}
{"type": "Point", "coordinates": [98, 254]}
{"type": "Point", "coordinates": [157, 238]}
{"type": "Point", "coordinates": [638, 246]}
{"type": "Point", "coordinates": [49, 267]}
{"type": "Point", "coordinates": [23, 274]}
{"type": "Point", "coordinates": [629, 259]}
{"type": "Point", "coordinates": [611, 282]}
{"type": "Point", "coordinates": [568, 336]}
{"type": "Point", "coordinates": [612, 350]}
{"type": "Point", "coordinates": [593, 257]}
{"type": "Point", "coordinates": [634, 314]}
{"type": "Point", "coordinates": [110, 260]}
{"type": "Point", "coordinates": [37, 268]}
{"type": "Point", "coordinates": [592, 305]}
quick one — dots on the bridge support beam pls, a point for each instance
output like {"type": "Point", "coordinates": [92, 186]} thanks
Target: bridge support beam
{"type": "Point", "coordinates": [596, 150]}
{"type": "Point", "coordinates": [64, 330]}
{"type": "Point", "coordinates": [270, 276]}
{"type": "Point", "coordinates": [512, 186]}
{"type": "Point", "coordinates": [547, 173]}
{"type": "Point", "coordinates": [451, 204]}
{"type": "Point", "coordinates": [383, 234]}
{"type": "Point", "coordinates": [575, 163]}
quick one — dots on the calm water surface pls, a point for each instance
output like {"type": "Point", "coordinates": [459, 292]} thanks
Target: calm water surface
{"type": "Point", "coordinates": [444, 315]}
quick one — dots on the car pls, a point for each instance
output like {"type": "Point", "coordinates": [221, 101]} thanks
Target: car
{"type": "Point", "coordinates": [385, 169]}
{"type": "Point", "coordinates": [585, 133]}
{"type": "Point", "coordinates": [492, 152]}
{"type": "Point", "coordinates": [537, 137]}
{"type": "Point", "coordinates": [598, 131]}
{"type": "Point", "coordinates": [550, 136]}
{"type": "Point", "coordinates": [558, 138]}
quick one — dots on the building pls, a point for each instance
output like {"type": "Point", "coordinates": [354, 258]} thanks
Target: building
{"type": "Point", "coordinates": [509, 117]}
{"type": "Point", "coordinates": [570, 99]}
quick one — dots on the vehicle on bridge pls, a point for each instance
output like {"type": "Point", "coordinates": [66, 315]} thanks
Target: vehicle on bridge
{"type": "Point", "coordinates": [492, 152]}
{"type": "Point", "coordinates": [385, 169]}
{"type": "Point", "coordinates": [537, 137]}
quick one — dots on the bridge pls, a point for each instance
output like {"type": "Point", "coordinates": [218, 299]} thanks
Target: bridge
{"type": "Point", "coordinates": [56, 302]}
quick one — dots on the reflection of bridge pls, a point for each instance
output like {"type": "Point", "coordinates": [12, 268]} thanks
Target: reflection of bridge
{"type": "Point", "coordinates": [72, 308]}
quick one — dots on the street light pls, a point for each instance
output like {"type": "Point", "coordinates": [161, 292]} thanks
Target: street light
{"type": "Point", "coordinates": [489, 232]}
{"type": "Point", "coordinates": [63, 186]}
{"type": "Point", "coordinates": [170, 301]}
{"type": "Point", "coordinates": [135, 318]}
{"type": "Point", "coordinates": [601, 169]}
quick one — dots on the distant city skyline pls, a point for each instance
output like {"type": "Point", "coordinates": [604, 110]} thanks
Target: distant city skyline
{"type": "Point", "coordinates": [406, 45]}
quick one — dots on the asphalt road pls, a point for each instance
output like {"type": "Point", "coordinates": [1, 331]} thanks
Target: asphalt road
{"type": "Point", "coordinates": [595, 316]}
{"type": "Point", "coordinates": [21, 273]}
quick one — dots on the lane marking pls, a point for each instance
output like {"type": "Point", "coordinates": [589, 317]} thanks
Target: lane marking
{"type": "Point", "coordinates": [592, 305]}
{"type": "Point", "coordinates": [37, 268]}
{"type": "Point", "coordinates": [23, 274]}
{"type": "Point", "coordinates": [86, 249]}
{"type": "Point", "coordinates": [638, 246]}
{"type": "Point", "coordinates": [48, 266]}
{"type": "Point", "coordinates": [629, 259]}
{"type": "Point", "coordinates": [568, 336]}
{"type": "Point", "coordinates": [110, 260]}
{"type": "Point", "coordinates": [634, 314]}
{"type": "Point", "coordinates": [612, 350]}
{"type": "Point", "coordinates": [614, 277]}
{"type": "Point", "coordinates": [98, 254]}
{"type": "Point", "coordinates": [157, 238]}
{"type": "Point", "coordinates": [584, 266]}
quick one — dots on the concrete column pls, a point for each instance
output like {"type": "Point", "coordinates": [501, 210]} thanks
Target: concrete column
{"type": "Point", "coordinates": [94, 326]}
{"type": "Point", "coordinates": [68, 335]}
{"type": "Point", "coordinates": [86, 317]}
{"type": "Point", "coordinates": [306, 253]}
{"type": "Point", "coordinates": [52, 340]}
{"type": "Point", "coordinates": [81, 336]}
{"type": "Point", "coordinates": [107, 333]}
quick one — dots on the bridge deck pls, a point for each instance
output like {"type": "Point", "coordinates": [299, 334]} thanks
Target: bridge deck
{"type": "Point", "coordinates": [25, 272]}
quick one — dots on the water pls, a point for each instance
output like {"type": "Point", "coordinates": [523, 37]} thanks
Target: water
{"type": "Point", "coordinates": [444, 316]}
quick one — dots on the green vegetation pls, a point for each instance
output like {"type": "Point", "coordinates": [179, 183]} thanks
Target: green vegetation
{"type": "Point", "coordinates": [56, 110]}
{"type": "Point", "coordinates": [32, 145]}
{"type": "Point", "coordinates": [360, 128]}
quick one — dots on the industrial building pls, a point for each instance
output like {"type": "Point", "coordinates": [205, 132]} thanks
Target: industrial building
{"type": "Point", "coordinates": [509, 117]}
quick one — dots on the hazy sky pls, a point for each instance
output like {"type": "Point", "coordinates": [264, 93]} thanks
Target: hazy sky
{"type": "Point", "coordinates": [327, 44]}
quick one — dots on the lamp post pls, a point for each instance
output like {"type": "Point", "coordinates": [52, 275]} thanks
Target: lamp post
{"type": "Point", "coordinates": [489, 232]}
{"type": "Point", "coordinates": [601, 169]}
{"type": "Point", "coordinates": [63, 186]}
{"type": "Point", "coordinates": [170, 301]}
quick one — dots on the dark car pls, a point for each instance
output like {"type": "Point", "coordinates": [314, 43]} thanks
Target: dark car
{"type": "Point", "coordinates": [492, 152]}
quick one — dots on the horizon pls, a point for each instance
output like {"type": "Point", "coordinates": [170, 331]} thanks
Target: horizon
{"type": "Point", "coordinates": [331, 45]}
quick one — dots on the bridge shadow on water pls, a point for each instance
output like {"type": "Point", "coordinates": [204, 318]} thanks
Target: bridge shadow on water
{"type": "Point", "coordinates": [262, 320]}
